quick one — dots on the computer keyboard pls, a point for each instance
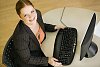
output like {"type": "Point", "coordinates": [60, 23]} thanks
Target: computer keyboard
{"type": "Point", "coordinates": [65, 45]}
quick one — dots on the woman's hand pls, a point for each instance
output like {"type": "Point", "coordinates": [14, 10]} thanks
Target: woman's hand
{"type": "Point", "coordinates": [59, 27]}
{"type": "Point", "coordinates": [53, 61]}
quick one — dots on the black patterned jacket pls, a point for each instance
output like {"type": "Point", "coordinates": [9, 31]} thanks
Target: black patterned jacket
{"type": "Point", "coordinates": [27, 48]}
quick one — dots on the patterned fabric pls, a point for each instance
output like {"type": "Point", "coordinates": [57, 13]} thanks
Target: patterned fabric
{"type": "Point", "coordinates": [27, 48]}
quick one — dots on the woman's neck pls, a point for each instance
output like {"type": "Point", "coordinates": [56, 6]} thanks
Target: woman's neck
{"type": "Point", "coordinates": [34, 27]}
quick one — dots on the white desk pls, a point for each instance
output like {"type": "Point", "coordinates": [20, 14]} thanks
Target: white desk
{"type": "Point", "coordinates": [72, 17]}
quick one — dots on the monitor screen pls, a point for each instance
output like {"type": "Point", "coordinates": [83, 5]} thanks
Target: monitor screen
{"type": "Point", "coordinates": [88, 47]}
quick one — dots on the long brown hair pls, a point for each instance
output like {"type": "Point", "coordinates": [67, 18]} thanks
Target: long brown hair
{"type": "Point", "coordinates": [21, 4]}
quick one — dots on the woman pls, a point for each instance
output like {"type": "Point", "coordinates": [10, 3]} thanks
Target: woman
{"type": "Point", "coordinates": [29, 35]}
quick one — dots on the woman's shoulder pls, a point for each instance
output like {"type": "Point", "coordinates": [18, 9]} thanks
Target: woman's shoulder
{"type": "Point", "coordinates": [21, 36]}
{"type": "Point", "coordinates": [20, 30]}
{"type": "Point", "coordinates": [38, 11]}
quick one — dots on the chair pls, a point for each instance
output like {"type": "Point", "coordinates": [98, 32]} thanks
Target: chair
{"type": "Point", "coordinates": [8, 54]}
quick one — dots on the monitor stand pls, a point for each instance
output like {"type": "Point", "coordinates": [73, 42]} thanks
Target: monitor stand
{"type": "Point", "coordinates": [92, 50]}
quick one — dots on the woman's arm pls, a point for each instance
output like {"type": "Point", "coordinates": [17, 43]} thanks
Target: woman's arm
{"type": "Point", "coordinates": [48, 27]}
{"type": "Point", "coordinates": [21, 45]}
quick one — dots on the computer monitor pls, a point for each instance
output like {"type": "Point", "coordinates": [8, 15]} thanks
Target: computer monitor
{"type": "Point", "coordinates": [88, 47]}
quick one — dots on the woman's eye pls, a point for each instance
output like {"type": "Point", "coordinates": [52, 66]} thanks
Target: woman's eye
{"type": "Point", "coordinates": [24, 15]}
{"type": "Point", "coordinates": [32, 11]}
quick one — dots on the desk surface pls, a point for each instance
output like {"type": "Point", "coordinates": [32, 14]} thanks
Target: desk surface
{"type": "Point", "coordinates": [72, 17]}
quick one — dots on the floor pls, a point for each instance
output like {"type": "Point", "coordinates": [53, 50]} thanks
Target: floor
{"type": "Point", "coordinates": [9, 18]}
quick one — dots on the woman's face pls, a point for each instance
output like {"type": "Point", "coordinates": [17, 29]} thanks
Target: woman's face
{"type": "Point", "coordinates": [28, 15]}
